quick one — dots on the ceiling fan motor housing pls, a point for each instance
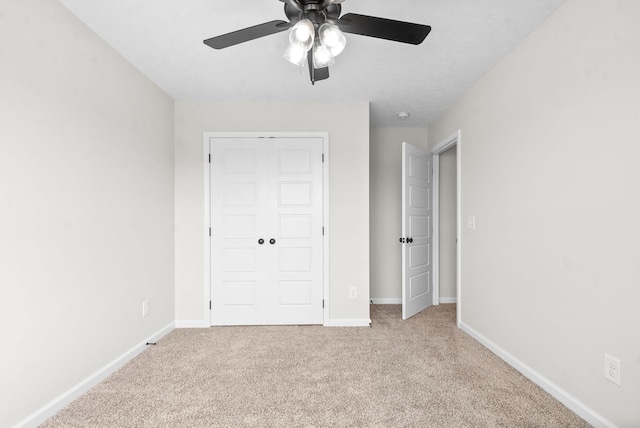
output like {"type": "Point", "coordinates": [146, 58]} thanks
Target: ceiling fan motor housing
{"type": "Point", "coordinates": [315, 11]}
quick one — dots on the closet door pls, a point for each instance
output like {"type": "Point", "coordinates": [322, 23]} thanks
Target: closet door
{"type": "Point", "coordinates": [266, 220]}
{"type": "Point", "coordinates": [238, 222]}
{"type": "Point", "coordinates": [295, 223]}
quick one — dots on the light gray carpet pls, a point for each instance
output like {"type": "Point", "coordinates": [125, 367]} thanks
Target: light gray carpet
{"type": "Point", "coordinates": [423, 372]}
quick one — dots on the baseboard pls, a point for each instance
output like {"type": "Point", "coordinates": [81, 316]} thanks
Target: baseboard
{"type": "Point", "coordinates": [350, 322]}
{"type": "Point", "coordinates": [558, 393]}
{"type": "Point", "coordinates": [332, 323]}
{"type": "Point", "coordinates": [386, 301]}
{"type": "Point", "coordinates": [192, 324]}
{"type": "Point", "coordinates": [54, 406]}
{"type": "Point", "coordinates": [398, 300]}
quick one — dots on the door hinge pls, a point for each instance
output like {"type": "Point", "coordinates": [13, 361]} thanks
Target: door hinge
{"type": "Point", "coordinates": [209, 231]}
{"type": "Point", "coordinates": [209, 157]}
{"type": "Point", "coordinates": [323, 303]}
{"type": "Point", "coordinates": [209, 304]}
{"type": "Point", "coordinates": [323, 158]}
{"type": "Point", "coordinates": [322, 230]}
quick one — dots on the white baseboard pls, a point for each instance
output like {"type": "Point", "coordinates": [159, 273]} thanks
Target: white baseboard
{"type": "Point", "coordinates": [386, 301]}
{"type": "Point", "coordinates": [54, 406]}
{"type": "Point", "coordinates": [558, 393]}
{"type": "Point", "coordinates": [398, 300]}
{"type": "Point", "coordinates": [192, 324]}
{"type": "Point", "coordinates": [351, 322]}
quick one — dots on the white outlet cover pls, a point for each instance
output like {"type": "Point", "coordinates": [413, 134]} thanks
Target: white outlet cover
{"type": "Point", "coordinates": [471, 222]}
{"type": "Point", "coordinates": [612, 369]}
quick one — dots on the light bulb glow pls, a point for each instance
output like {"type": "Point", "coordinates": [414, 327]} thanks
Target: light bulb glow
{"type": "Point", "coordinates": [322, 56]}
{"type": "Point", "coordinates": [296, 54]}
{"type": "Point", "coordinates": [302, 33]}
{"type": "Point", "coordinates": [332, 38]}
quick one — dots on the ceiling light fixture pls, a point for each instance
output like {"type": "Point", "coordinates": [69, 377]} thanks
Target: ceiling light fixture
{"type": "Point", "coordinates": [403, 115]}
{"type": "Point", "coordinates": [316, 30]}
{"type": "Point", "coordinates": [320, 44]}
{"type": "Point", "coordinates": [322, 56]}
{"type": "Point", "coordinates": [332, 38]}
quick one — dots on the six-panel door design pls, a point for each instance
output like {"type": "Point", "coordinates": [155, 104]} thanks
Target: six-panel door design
{"type": "Point", "coordinates": [267, 226]}
{"type": "Point", "coordinates": [417, 290]}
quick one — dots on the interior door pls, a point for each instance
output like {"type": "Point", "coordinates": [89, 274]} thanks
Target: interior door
{"type": "Point", "coordinates": [295, 220]}
{"type": "Point", "coordinates": [238, 223]}
{"type": "Point", "coordinates": [266, 231]}
{"type": "Point", "coordinates": [417, 289]}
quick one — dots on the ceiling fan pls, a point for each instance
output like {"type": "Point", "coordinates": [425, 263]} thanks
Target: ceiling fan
{"type": "Point", "coordinates": [316, 33]}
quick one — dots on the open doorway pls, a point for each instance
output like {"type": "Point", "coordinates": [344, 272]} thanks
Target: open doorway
{"type": "Point", "coordinates": [446, 222]}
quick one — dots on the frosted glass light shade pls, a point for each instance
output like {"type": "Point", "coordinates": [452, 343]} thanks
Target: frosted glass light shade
{"type": "Point", "coordinates": [302, 33]}
{"type": "Point", "coordinates": [332, 38]}
{"type": "Point", "coordinates": [322, 56]}
{"type": "Point", "coordinates": [296, 54]}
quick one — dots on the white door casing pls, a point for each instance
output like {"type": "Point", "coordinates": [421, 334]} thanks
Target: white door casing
{"type": "Point", "coordinates": [454, 139]}
{"type": "Point", "coordinates": [266, 210]}
{"type": "Point", "coordinates": [417, 287]}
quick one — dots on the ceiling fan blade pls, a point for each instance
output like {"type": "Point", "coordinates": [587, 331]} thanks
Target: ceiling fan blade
{"type": "Point", "coordinates": [388, 29]}
{"type": "Point", "coordinates": [321, 73]}
{"type": "Point", "coordinates": [247, 34]}
{"type": "Point", "coordinates": [316, 74]}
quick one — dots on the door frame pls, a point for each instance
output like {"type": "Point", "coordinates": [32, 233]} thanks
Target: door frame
{"type": "Point", "coordinates": [452, 140]}
{"type": "Point", "coordinates": [207, 136]}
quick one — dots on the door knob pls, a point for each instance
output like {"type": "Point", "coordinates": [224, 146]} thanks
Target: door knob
{"type": "Point", "coordinates": [409, 240]}
{"type": "Point", "coordinates": [260, 241]}
{"type": "Point", "coordinates": [272, 241]}
{"type": "Point", "coordinates": [402, 240]}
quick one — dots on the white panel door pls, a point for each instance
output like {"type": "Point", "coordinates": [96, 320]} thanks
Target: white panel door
{"type": "Point", "coordinates": [295, 223]}
{"type": "Point", "coordinates": [238, 221]}
{"type": "Point", "coordinates": [417, 289]}
{"type": "Point", "coordinates": [266, 219]}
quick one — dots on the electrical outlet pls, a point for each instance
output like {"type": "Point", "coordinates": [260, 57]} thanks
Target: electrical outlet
{"type": "Point", "coordinates": [612, 369]}
{"type": "Point", "coordinates": [471, 222]}
{"type": "Point", "coordinates": [353, 292]}
{"type": "Point", "coordinates": [145, 308]}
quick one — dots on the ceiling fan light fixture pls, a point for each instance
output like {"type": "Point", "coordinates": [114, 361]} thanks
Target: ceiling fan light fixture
{"type": "Point", "coordinates": [296, 54]}
{"type": "Point", "coordinates": [332, 38]}
{"type": "Point", "coordinates": [302, 33]}
{"type": "Point", "coordinates": [322, 56]}
{"type": "Point", "coordinates": [315, 31]}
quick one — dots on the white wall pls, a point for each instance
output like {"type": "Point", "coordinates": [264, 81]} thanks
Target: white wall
{"type": "Point", "coordinates": [550, 170]}
{"type": "Point", "coordinates": [447, 218]}
{"type": "Point", "coordinates": [86, 206]}
{"type": "Point", "coordinates": [386, 208]}
{"type": "Point", "coordinates": [348, 127]}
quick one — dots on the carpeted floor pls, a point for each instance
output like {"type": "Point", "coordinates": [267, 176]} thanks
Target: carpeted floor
{"type": "Point", "coordinates": [422, 372]}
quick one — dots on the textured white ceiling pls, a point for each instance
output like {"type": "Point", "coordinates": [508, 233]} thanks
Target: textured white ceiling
{"type": "Point", "coordinates": [163, 39]}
